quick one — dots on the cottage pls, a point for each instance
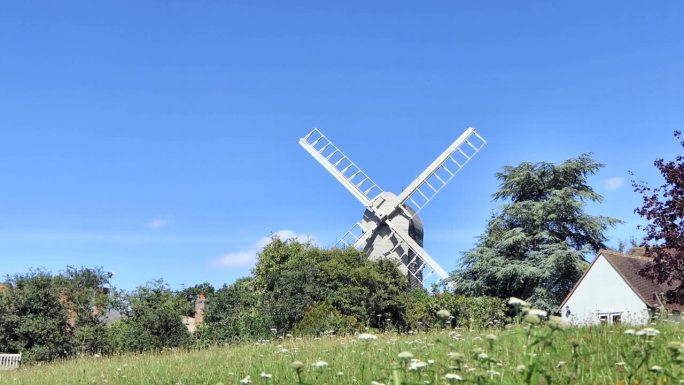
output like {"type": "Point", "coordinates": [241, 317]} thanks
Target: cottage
{"type": "Point", "coordinates": [611, 291]}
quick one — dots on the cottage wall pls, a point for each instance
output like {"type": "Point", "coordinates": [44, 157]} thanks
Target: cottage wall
{"type": "Point", "coordinates": [603, 292]}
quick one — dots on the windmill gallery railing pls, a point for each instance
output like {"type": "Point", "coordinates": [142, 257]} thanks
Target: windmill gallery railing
{"type": "Point", "coordinates": [9, 361]}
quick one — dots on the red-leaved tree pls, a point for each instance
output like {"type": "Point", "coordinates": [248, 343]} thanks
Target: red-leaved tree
{"type": "Point", "coordinates": [663, 208]}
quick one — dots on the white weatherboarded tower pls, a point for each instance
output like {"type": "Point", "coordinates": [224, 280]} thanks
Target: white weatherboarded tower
{"type": "Point", "coordinates": [390, 227]}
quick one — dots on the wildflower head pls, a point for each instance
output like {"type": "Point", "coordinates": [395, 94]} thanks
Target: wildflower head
{"type": "Point", "coordinates": [630, 332]}
{"type": "Point", "coordinates": [520, 368]}
{"type": "Point", "coordinates": [452, 377]}
{"type": "Point", "coordinates": [558, 323]}
{"type": "Point", "coordinates": [656, 369]}
{"type": "Point", "coordinates": [676, 347]}
{"type": "Point", "coordinates": [417, 364]}
{"type": "Point", "coordinates": [648, 332]}
{"type": "Point", "coordinates": [456, 357]}
{"type": "Point", "coordinates": [266, 376]}
{"type": "Point", "coordinates": [517, 302]}
{"type": "Point", "coordinates": [405, 356]}
{"type": "Point", "coordinates": [297, 365]}
{"type": "Point", "coordinates": [320, 364]}
{"type": "Point", "coordinates": [367, 337]}
{"type": "Point", "coordinates": [246, 381]}
{"type": "Point", "coordinates": [532, 319]}
{"type": "Point", "coordinates": [444, 315]}
{"type": "Point", "coordinates": [538, 312]}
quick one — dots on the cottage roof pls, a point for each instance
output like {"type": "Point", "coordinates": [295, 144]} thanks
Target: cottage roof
{"type": "Point", "coordinates": [628, 266]}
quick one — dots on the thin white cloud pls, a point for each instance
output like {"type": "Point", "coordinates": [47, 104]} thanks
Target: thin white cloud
{"type": "Point", "coordinates": [158, 223]}
{"type": "Point", "coordinates": [614, 183]}
{"type": "Point", "coordinates": [248, 257]}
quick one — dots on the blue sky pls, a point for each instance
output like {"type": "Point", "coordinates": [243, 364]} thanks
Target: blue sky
{"type": "Point", "coordinates": [159, 139]}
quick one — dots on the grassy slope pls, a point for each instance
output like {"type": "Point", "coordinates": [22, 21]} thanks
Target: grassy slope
{"type": "Point", "coordinates": [352, 361]}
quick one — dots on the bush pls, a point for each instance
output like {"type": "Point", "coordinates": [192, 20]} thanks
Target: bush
{"type": "Point", "coordinates": [155, 319]}
{"type": "Point", "coordinates": [471, 312]}
{"type": "Point", "coordinates": [47, 316]}
{"type": "Point", "coordinates": [325, 318]}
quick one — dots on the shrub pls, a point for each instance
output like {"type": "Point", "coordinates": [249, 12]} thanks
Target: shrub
{"type": "Point", "coordinates": [324, 317]}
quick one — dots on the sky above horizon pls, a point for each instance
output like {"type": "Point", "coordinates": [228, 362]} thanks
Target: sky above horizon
{"type": "Point", "coordinates": [159, 138]}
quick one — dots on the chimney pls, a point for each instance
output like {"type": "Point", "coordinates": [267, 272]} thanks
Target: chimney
{"type": "Point", "coordinates": [200, 303]}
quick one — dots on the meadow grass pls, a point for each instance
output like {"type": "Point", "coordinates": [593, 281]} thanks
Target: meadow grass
{"type": "Point", "coordinates": [514, 355]}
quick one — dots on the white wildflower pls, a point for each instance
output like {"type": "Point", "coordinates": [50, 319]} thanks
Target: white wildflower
{"type": "Point", "coordinates": [531, 319]}
{"type": "Point", "coordinates": [367, 337]}
{"type": "Point", "coordinates": [520, 368]}
{"type": "Point", "coordinates": [558, 322]}
{"type": "Point", "coordinates": [630, 332]}
{"type": "Point", "coordinates": [513, 301]}
{"type": "Point", "coordinates": [266, 376]}
{"type": "Point", "coordinates": [656, 369]}
{"type": "Point", "coordinates": [405, 356]}
{"type": "Point", "coordinates": [246, 381]}
{"type": "Point", "coordinates": [417, 364]}
{"type": "Point", "coordinates": [320, 364]}
{"type": "Point", "coordinates": [443, 314]}
{"type": "Point", "coordinates": [648, 332]}
{"type": "Point", "coordinates": [538, 312]}
{"type": "Point", "coordinates": [453, 377]}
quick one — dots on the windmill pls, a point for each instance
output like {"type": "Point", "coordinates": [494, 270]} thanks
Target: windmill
{"type": "Point", "coordinates": [390, 227]}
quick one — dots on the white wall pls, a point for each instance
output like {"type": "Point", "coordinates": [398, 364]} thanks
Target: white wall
{"type": "Point", "coordinates": [603, 291]}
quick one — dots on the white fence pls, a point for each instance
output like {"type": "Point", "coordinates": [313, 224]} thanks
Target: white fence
{"type": "Point", "coordinates": [9, 361]}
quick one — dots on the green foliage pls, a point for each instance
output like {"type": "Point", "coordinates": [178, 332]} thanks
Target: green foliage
{"type": "Point", "coordinates": [32, 318]}
{"type": "Point", "coordinates": [155, 321]}
{"type": "Point", "coordinates": [533, 247]}
{"type": "Point", "coordinates": [235, 313]}
{"type": "Point", "coordinates": [325, 319]}
{"type": "Point", "coordinates": [470, 312]}
{"type": "Point", "coordinates": [47, 316]}
{"type": "Point", "coordinates": [290, 277]}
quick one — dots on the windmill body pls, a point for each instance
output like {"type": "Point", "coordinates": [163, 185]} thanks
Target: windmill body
{"type": "Point", "coordinates": [382, 243]}
{"type": "Point", "coordinates": [390, 227]}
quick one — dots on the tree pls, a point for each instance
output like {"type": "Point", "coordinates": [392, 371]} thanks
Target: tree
{"type": "Point", "coordinates": [235, 313]}
{"type": "Point", "coordinates": [534, 247]}
{"type": "Point", "coordinates": [154, 321]}
{"type": "Point", "coordinates": [663, 208]}
{"type": "Point", "coordinates": [33, 320]}
{"type": "Point", "coordinates": [48, 316]}
{"type": "Point", "coordinates": [291, 278]}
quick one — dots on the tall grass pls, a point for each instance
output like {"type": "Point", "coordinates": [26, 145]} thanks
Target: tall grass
{"type": "Point", "coordinates": [514, 355]}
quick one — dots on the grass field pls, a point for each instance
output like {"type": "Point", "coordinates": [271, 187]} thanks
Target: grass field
{"type": "Point", "coordinates": [516, 355]}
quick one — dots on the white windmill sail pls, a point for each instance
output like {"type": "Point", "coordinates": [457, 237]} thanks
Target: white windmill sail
{"type": "Point", "coordinates": [340, 166]}
{"type": "Point", "coordinates": [421, 257]}
{"type": "Point", "coordinates": [431, 181]}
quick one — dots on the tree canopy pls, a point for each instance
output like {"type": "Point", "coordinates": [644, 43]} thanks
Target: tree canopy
{"type": "Point", "coordinates": [663, 208]}
{"type": "Point", "coordinates": [534, 246]}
